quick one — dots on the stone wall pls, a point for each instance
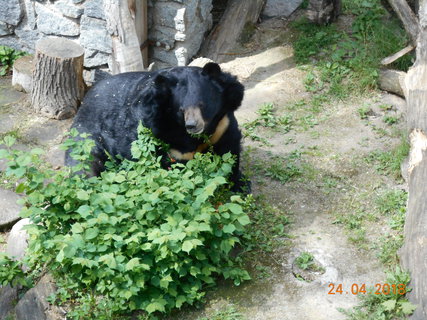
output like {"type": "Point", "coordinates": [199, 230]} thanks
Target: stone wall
{"type": "Point", "coordinates": [176, 28]}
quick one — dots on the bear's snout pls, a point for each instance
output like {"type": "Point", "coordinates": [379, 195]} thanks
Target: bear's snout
{"type": "Point", "coordinates": [194, 122]}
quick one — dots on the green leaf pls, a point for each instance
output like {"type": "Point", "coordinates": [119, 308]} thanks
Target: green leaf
{"type": "Point", "coordinates": [84, 211]}
{"type": "Point", "coordinates": [132, 264]}
{"type": "Point", "coordinates": [244, 220]}
{"type": "Point", "coordinates": [91, 233]}
{"type": "Point", "coordinates": [407, 307]}
{"type": "Point", "coordinates": [77, 228]}
{"type": "Point", "coordinates": [229, 228]}
{"type": "Point", "coordinates": [187, 246]}
{"type": "Point", "coordinates": [9, 141]}
{"type": "Point", "coordinates": [389, 305]}
{"type": "Point", "coordinates": [158, 305]}
{"type": "Point", "coordinates": [82, 195]}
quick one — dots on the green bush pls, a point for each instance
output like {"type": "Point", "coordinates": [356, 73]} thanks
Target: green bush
{"type": "Point", "coordinates": [139, 236]}
{"type": "Point", "coordinates": [7, 58]}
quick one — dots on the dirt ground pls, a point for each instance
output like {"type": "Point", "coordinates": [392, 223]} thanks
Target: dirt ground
{"type": "Point", "coordinates": [334, 147]}
{"type": "Point", "coordinates": [332, 144]}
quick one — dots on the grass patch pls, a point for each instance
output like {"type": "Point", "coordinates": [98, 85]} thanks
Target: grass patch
{"type": "Point", "coordinates": [389, 162]}
{"type": "Point", "coordinates": [345, 62]}
{"type": "Point", "coordinates": [385, 302]}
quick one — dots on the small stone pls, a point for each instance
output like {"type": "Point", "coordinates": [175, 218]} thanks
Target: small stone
{"type": "Point", "coordinates": [22, 76]}
{"type": "Point", "coordinates": [5, 29]}
{"type": "Point", "coordinates": [9, 209]}
{"type": "Point", "coordinates": [69, 10]}
{"type": "Point", "coordinates": [17, 242]}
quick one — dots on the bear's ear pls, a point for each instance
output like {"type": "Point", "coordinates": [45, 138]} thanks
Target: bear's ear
{"type": "Point", "coordinates": [233, 91]}
{"type": "Point", "coordinates": [212, 69]}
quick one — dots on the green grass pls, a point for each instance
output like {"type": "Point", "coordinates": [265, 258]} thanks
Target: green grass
{"type": "Point", "coordinates": [347, 62]}
{"type": "Point", "coordinates": [389, 162]}
{"type": "Point", "coordinates": [229, 313]}
{"type": "Point", "coordinates": [376, 304]}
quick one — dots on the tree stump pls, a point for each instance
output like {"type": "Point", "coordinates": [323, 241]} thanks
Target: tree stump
{"type": "Point", "coordinates": [58, 85]}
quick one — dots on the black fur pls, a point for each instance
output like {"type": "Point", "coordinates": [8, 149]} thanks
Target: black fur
{"type": "Point", "coordinates": [112, 109]}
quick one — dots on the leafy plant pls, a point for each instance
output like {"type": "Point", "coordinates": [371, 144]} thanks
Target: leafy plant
{"type": "Point", "coordinates": [7, 58]}
{"type": "Point", "coordinates": [138, 237]}
{"type": "Point", "coordinates": [378, 305]}
{"type": "Point", "coordinates": [267, 118]}
{"type": "Point", "coordinates": [305, 261]}
{"type": "Point", "coordinates": [11, 272]}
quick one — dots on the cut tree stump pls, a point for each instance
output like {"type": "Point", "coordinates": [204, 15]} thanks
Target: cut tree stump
{"type": "Point", "coordinates": [58, 85]}
{"type": "Point", "coordinates": [223, 38]}
{"type": "Point", "coordinates": [22, 76]}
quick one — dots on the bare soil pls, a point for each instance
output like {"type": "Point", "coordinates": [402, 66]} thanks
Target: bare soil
{"type": "Point", "coordinates": [333, 148]}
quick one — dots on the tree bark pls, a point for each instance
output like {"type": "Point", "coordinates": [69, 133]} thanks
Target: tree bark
{"type": "Point", "coordinates": [120, 15]}
{"type": "Point", "coordinates": [414, 251]}
{"type": "Point", "coordinates": [58, 85]}
{"type": "Point", "coordinates": [224, 36]}
{"type": "Point", "coordinates": [407, 16]}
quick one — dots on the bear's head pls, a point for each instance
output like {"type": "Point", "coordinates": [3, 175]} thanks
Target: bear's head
{"type": "Point", "coordinates": [200, 97]}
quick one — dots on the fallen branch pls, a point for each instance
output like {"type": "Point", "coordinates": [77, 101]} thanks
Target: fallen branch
{"type": "Point", "coordinates": [397, 55]}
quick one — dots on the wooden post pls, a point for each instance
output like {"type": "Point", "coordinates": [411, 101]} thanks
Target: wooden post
{"type": "Point", "coordinates": [414, 251]}
{"type": "Point", "coordinates": [225, 35]}
{"type": "Point", "coordinates": [141, 26]}
{"type": "Point", "coordinates": [58, 85]}
{"type": "Point", "coordinates": [120, 15]}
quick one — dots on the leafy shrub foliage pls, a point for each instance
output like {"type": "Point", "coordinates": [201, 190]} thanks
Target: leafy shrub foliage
{"type": "Point", "coordinates": [139, 236]}
{"type": "Point", "coordinates": [7, 58]}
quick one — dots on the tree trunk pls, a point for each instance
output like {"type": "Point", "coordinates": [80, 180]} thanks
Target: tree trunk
{"type": "Point", "coordinates": [407, 16]}
{"type": "Point", "coordinates": [58, 85]}
{"type": "Point", "coordinates": [224, 36]}
{"type": "Point", "coordinates": [414, 250]}
{"type": "Point", "coordinates": [120, 15]}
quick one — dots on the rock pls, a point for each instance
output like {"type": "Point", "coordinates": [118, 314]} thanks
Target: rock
{"type": "Point", "coordinates": [94, 58]}
{"type": "Point", "coordinates": [11, 11]}
{"type": "Point", "coordinates": [9, 209]}
{"type": "Point", "coordinates": [94, 9]}
{"type": "Point", "coordinates": [33, 305]}
{"type": "Point", "coordinates": [8, 299]}
{"type": "Point", "coordinates": [26, 39]}
{"type": "Point", "coordinates": [94, 34]}
{"type": "Point", "coordinates": [68, 9]}
{"type": "Point", "coordinates": [280, 8]}
{"type": "Point", "coordinates": [200, 62]}
{"type": "Point", "coordinates": [17, 242]}
{"type": "Point", "coordinates": [50, 22]}
{"type": "Point", "coordinates": [5, 29]}
{"type": "Point", "coordinates": [22, 77]}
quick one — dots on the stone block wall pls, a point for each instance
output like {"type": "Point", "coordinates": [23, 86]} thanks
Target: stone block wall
{"type": "Point", "coordinates": [176, 27]}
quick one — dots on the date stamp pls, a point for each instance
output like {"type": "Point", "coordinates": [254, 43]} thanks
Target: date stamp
{"type": "Point", "coordinates": [355, 288]}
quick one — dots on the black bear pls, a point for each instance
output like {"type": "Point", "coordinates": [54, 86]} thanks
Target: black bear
{"type": "Point", "coordinates": [178, 104]}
